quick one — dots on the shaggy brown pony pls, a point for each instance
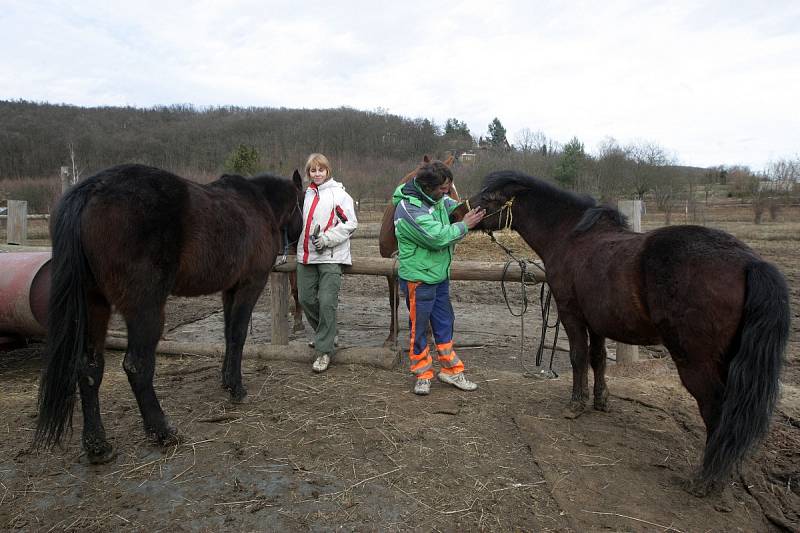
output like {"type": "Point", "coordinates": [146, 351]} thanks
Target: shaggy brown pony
{"type": "Point", "coordinates": [720, 309]}
{"type": "Point", "coordinates": [128, 237]}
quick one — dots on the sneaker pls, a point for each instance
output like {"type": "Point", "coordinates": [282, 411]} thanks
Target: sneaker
{"type": "Point", "coordinates": [422, 387]}
{"type": "Point", "coordinates": [459, 381]}
{"type": "Point", "coordinates": [335, 342]}
{"type": "Point", "coordinates": [322, 362]}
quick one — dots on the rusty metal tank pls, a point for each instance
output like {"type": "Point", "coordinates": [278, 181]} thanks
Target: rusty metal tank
{"type": "Point", "coordinates": [24, 293]}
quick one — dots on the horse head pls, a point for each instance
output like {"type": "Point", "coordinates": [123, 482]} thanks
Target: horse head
{"type": "Point", "coordinates": [453, 193]}
{"type": "Point", "coordinates": [294, 225]}
{"type": "Point", "coordinates": [497, 199]}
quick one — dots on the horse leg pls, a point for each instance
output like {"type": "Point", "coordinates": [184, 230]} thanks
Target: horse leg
{"type": "Point", "coordinates": [393, 305]}
{"type": "Point", "coordinates": [238, 304]}
{"type": "Point", "coordinates": [144, 331]}
{"type": "Point", "coordinates": [578, 358]}
{"type": "Point", "coordinates": [597, 357]}
{"type": "Point", "coordinates": [704, 384]}
{"type": "Point", "coordinates": [297, 314]}
{"type": "Point", "coordinates": [90, 376]}
{"type": "Point", "coordinates": [227, 305]}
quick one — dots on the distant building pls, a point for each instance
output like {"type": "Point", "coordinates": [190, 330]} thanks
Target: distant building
{"type": "Point", "coordinates": [467, 158]}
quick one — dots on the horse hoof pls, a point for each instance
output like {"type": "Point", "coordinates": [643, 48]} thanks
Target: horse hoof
{"type": "Point", "coordinates": [171, 438]}
{"type": "Point", "coordinates": [601, 403]}
{"type": "Point", "coordinates": [700, 488]}
{"type": "Point", "coordinates": [100, 454]}
{"type": "Point", "coordinates": [167, 437]}
{"type": "Point", "coordinates": [239, 395]}
{"type": "Point", "coordinates": [573, 410]}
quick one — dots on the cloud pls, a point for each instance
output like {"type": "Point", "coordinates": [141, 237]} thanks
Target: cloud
{"type": "Point", "coordinates": [713, 82]}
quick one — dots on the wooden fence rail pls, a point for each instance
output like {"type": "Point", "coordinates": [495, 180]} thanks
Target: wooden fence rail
{"type": "Point", "coordinates": [375, 266]}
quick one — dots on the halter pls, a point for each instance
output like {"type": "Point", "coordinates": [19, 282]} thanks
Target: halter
{"type": "Point", "coordinates": [505, 207]}
{"type": "Point", "coordinates": [286, 244]}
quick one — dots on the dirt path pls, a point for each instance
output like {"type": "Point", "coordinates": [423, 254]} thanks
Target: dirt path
{"type": "Point", "coordinates": [354, 448]}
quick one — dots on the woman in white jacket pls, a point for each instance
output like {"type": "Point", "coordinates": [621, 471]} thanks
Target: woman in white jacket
{"type": "Point", "coordinates": [329, 220]}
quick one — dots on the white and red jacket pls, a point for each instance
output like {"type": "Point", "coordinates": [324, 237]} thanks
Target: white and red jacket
{"type": "Point", "coordinates": [330, 207]}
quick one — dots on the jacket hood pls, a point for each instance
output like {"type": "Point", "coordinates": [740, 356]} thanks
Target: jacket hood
{"type": "Point", "coordinates": [408, 190]}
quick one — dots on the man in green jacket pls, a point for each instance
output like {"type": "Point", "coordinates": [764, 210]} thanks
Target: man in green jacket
{"type": "Point", "coordinates": [425, 240]}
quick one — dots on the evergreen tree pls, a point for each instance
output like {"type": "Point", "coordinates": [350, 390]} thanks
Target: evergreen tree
{"type": "Point", "coordinates": [455, 128]}
{"type": "Point", "coordinates": [570, 163]}
{"type": "Point", "coordinates": [497, 134]}
{"type": "Point", "coordinates": [243, 160]}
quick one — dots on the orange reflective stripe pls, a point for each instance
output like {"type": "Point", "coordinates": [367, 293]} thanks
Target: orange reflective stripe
{"type": "Point", "coordinates": [417, 356]}
{"type": "Point", "coordinates": [453, 371]}
{"type": "Point", "coordinates": [412, 312]}
{"type": "Point", "coordinates": [422, 365]}
{"type": "Point", "coordinates": [451, 364]}
{"type": "Point", "coordinates": [445, 346]}
{"type": "Point", "coordinates": [428, 374]}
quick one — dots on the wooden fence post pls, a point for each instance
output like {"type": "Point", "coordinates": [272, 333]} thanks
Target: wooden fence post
{"type": "Point", "coordinates": [65, 181]}
{"type": "Point", "coordinates": [632, 209]}
{"type": "Point", "coordinates": [17, 225]}
{"type": "Point", "coordinates": [279, 296]}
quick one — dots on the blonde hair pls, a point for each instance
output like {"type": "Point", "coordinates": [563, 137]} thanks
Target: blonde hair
{"type": "Point", "coordinates": [317, 160]}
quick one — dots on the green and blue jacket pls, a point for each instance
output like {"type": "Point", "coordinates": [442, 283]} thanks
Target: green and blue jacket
{"type": "Point", "coordinates": [425, 236]}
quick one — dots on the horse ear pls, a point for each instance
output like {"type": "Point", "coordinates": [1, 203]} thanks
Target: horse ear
{"type": "Point", "coordinates": [426, 159]}
{"type": "Point", "coordinates": [297, 179]}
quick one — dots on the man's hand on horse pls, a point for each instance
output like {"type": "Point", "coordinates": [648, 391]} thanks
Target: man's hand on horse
{"type": "Point", "coordinates": [474, 216]}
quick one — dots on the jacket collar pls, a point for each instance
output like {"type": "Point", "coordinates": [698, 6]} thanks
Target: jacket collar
{"type": "Point", "coordinates": [413, 190]}
{"type": "Point", "coordinates": [331, 183]}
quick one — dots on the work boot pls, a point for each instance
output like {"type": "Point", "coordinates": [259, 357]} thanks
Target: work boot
{"type": "Point", "coordinates": [459, 381]}
{"type": "Point", "coordinates": [422, 387]}
{"type": "Point", "coordinates": [322, 362]}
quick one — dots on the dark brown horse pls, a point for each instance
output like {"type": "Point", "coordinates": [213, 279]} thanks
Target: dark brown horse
{"type": "Point", "coordinates": [720, 310]}
{"type": "Point", "coordinates": [128, 237]}
{"type": "Point", "coordinates": [387, 244]}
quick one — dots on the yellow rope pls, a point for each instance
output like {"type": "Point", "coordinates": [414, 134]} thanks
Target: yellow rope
{"type": "Point", "coordinates": [509, 213]}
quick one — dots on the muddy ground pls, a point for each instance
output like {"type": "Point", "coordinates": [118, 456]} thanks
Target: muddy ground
{"type": "Point", "coordinates": [354, 449]}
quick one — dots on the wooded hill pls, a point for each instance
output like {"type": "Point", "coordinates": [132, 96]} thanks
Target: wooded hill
{"type": "Point", "coordinates": [36, 139]}
{"type": "Point", "coordinates": [370, 150]}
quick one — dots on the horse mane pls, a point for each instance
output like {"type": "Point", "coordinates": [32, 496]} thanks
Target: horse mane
{"type": "Point", "coordinates": [601, 212]}
{"type": "Point", "coordinates": [536, 186]}
{"type": "Point", "coordinates": [276, 189]}
{"type": "Point", "coordinates": [541, 188]}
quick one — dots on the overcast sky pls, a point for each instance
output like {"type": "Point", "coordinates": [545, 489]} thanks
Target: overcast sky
{"type": "Point", "coordinates": [712, 82]}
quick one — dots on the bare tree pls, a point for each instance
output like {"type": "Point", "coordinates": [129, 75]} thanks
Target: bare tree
{"type": "Point", "coordinates": [748, 185]}
{"type": "Point", "coordinates": [534, 142]}
{"type": "Point", "coordinates": [612, 170]}
{"type": "Point", "coordinates": [782, 178]}
{"type": "Point", "coordinates": [75, 174]}
{"type": "Point", "coordinates": [652, 171]}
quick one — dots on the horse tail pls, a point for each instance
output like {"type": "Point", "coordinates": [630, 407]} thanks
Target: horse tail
{"type": "Point", "coordinates": [751, 390]}
{"type": "Point", "coordinates": [67, 324]}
